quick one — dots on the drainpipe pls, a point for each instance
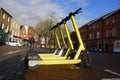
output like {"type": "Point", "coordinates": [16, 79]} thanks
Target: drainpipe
{"type": "Point", "coordinates": [102, 34]}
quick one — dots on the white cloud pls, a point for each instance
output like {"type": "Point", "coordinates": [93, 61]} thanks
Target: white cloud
{"type": "Point", "coordinates": [27, 12]}
{"type": "Point", "coordinates": [28, 15]}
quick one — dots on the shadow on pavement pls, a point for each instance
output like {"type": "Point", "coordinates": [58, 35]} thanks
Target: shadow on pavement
{"type": "Point", "coordinates": [12, 68]}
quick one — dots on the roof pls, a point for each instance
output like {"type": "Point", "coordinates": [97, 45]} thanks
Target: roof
{"type": "Point", "coordinates": [5, 11]}
{"type": "Point", "coordinates": [111, 13]}
{"type": "Point", "coordinates": [102, 17]}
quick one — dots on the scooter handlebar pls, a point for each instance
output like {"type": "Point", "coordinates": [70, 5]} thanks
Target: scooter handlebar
{"type": "Point", "coordinates": [67, 18]}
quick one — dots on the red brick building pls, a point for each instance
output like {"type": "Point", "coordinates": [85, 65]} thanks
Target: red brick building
{"type": "Point", "coordinates": [112, 31]}
{"type": "Point", "coordinates": [102, 34]}
{"type": "Point", "coordinates": [26, 32]}
{"type": "Point", "coordinates": [5, 23]}
{"type": "Point", "coordinates": [5, 19]}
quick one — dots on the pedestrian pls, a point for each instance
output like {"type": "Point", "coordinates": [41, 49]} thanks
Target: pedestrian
{"type": "Point", "coordinates": [31, 41]}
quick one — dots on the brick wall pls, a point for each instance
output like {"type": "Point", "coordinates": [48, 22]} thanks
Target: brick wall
{"type": "Point", "coordinates": [102, 33]}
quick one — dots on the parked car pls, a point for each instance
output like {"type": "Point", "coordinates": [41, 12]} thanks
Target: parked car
{"type": "Point", "coordinates": [14, 43]}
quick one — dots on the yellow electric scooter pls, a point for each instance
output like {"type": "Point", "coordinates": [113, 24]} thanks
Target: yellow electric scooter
{"type": "Point", "coordinates": [64, 50]}
{"type": "Point", "coordinates": [79, 51]}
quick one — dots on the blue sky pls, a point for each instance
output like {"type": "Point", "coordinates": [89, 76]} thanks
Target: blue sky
{"type": "Point", "coordinates": [28, 12]}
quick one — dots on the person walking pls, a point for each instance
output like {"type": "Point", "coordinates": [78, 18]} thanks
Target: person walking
{"type": "Point", "coordinates": [31, 41]}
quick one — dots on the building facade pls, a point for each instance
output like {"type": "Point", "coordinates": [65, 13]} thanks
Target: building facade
{"type": "Point", "coordinates": [12, 30]}
{"type": "Point", "coordinates": [103, 33]}
{"type": "Point", "coordinates": [26, 32]}
{"type": "Point", "coordinates": [5, 20]}
{"type": "Point", "coordinates": [5, 23]}
{"type": "Point", "coordinates": [111, 31]}
{"type": "Point", "coordinates": [15, 31]}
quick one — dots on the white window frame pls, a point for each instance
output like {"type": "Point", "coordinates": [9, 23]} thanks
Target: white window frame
{"type": "Point", "coordinates": [7, 27]}
{"type": "Point", "coordinates": [8, 19]}
{"type": "Point", "coordinates": [117, 46]}
{"type": "Point", "coordinates": [4, 15]}
{"type": "Point", "coordinates": [3, 25]}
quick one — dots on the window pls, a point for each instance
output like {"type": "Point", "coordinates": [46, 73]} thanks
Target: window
{"type": "Point", "coordinates": [117, 44]}
{"type": "Point", "coordinates": [3, 25]}
{"type": "Point", "coordinates": [90, 36]}
{"type": "Point", "coordinates": [107, 22]}
{"type": "Point", "coordinates": [98, 35]}
{"type": "Point", "coordinates": [94, 26]}
{"type": "Point", "coordinates": [97, 25]}
{"type": "Point", "coordinates": [8, 19]}
{"type": "Point", "coordinates": [7, 27]}
{"type": "Point", "coordinates": [107, 33]}
{"type": "Point", "coordinates": [13, 25]}
{"type": "Point", "coordinates": [16, 25]}
{"type": "Point", "coordinates": [114, 32]}
{"type": "Point", "coordinates": [3, 15]}
{"type": "Point", "coordinates": [114, 20]}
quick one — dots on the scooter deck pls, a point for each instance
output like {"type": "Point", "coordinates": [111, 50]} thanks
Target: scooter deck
{"type": "Point", "coordinates": [53, 62]}
{"type": "Point", "coordinates": [51, 57]}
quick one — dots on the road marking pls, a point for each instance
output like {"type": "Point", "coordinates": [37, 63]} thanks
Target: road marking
{"type": "Point", "coordinates": [12, 52]}
{"type": "Point", "coordinates": [112, 72]}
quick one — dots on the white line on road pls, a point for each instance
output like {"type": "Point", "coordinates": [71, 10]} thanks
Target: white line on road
{"type": "Point", "coordinates": [112, 72]}
{"type": "Point", "coordinates": [12, 52]}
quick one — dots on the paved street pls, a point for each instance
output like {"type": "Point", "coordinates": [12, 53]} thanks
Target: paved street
{"type": "Point", "coordinates": [105, 66]}
{"type": "Point", "coordinates": [12, 62]}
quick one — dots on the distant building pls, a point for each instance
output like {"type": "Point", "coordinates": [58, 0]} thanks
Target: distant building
{"type": "Point", "coordinates": [5, 23]}
{"type": "Point", "coordinates": [26, 32]}
{"type": "Point", "coordinates": [15, 31]}
{"type": "Point", "coordinates": [5, 20]}
{"type": "Point", "coordinates": [103, 33]}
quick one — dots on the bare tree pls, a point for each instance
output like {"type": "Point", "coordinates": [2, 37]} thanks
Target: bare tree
{"type": "Point", "coordinates": [43, 26]}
